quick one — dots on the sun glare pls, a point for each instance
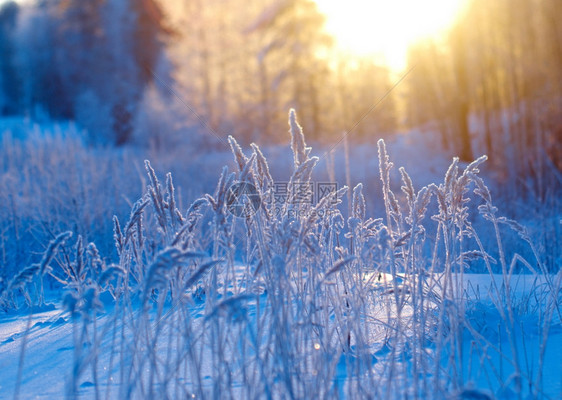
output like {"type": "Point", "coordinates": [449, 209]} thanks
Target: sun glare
{"type": "Point", "coordinates": [385, 28]}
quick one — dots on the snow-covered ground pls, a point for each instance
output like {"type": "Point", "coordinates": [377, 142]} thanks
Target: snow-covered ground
{"type": "Point", "coordinates": [37, 351]}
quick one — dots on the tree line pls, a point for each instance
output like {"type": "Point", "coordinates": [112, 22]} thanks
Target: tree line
{"type": "Point", "coordinates": [88, 61]}
{"type": "Point", "coordinates": [494, 86]}
{"type": "Point", "coordinates": [238, 67]}
{"type": "Point", "coordinates": [244, 67]}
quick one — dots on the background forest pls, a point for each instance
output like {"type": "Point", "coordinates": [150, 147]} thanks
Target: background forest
{"type": "Point", "coordinates": [122, 69]}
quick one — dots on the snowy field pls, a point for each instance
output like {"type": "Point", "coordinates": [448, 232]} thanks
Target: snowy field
{"type": "Point", "coordinates": [38, 351]}
{"type": "Point", "coordinates": [292, 299]}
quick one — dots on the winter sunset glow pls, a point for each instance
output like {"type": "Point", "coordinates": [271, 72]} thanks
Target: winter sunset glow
{"type": "Point", "coordinates": [384, 29]}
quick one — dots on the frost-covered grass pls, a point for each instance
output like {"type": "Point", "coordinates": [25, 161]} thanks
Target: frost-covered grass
{"type": "Point", "coordinates": [51, 181]}
{"type": "Point", "coordinates": [297, 300]}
